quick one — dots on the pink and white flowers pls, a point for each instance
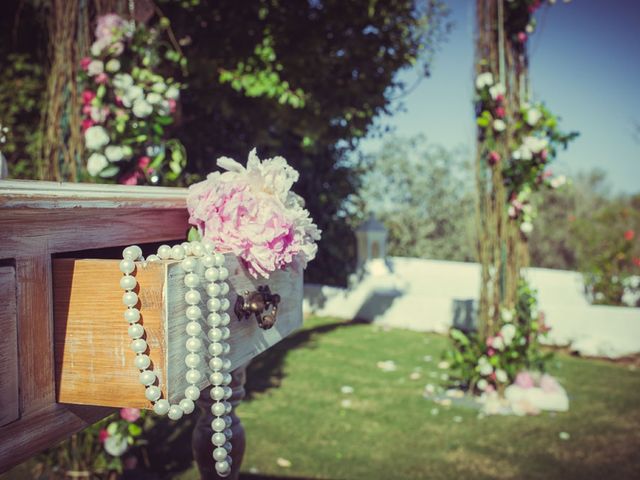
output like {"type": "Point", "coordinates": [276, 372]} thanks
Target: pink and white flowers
{"type": "Point", "coordinates": [252, 213]}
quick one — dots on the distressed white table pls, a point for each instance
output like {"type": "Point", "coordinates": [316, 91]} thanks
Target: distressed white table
{"type": "Point", "coordinates": [64, 356]}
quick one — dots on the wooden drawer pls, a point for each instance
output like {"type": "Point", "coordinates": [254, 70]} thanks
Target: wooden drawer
{"type": "Point", "coordinates": [94, 365]}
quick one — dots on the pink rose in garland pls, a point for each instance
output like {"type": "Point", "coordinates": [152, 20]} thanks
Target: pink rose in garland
{"type": "Point", "coordinates": [252, 213]}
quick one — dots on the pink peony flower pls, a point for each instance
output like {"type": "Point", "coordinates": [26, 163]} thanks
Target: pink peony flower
{"type": "Point", "coordinates": [130, 414]}
{"type": "Point", "coordinates": [143, 162]}
{"type": "Point", "coordinates": [494, 157]}
{"type": "Point", "coordinates": [108, 25]}
{"type": "Point", "coordinates": [86, 109]}
{"type": "Point", "coordinates": [489, 341]}
{"type": "Point", "coordinates": [88, 96]}
{"type": "Point", "coordinates": [522, 37]}
{"type": "Point", "coordinates": [524, 380]}
{"type": "Point", "coordinates": [130, 178]}
{"type": "Point", "coordinates": [491, 352]}
{"type": "Point", "coordinates": [253, 214]}
{"type": "Point", "coordinates": [499, 98]}
{"type": "Point", "coordinates": [103, 435]}
{"type": "Point", "coordinates": [629, 235]}
{"type": "Point", "coordinates": [84, 63]}
{"type": "Point", "coordinates": [86, 124]}
{"type": "Point", "coordinates": [500, 112]}
{"type": "Point", "coordinates": [101, 78]}
{"type": "Point", "coordinates": [172, 105]}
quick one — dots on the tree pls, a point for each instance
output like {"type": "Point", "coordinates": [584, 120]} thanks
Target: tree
{"type": "Point", "coordinates": [427, 199]}
{"type": "Point", "coordinates": [304, 80]}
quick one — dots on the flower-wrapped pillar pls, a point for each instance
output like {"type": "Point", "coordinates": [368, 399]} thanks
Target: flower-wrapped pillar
{"type": "Point", "coordinates": [515, 142]}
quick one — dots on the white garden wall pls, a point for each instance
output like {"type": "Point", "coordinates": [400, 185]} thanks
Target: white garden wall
{"type": "Point", "coordinates": [420, 294]}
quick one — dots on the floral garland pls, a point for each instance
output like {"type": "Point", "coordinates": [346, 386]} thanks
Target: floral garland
{"type": "Point", "coordinates": [252, 213]}
{"type": "Point", "coordinates": [535, 141]}
{"type": "Point", "coordinates": [491, 365]}
{"type": "Point", "coordinates": [128, 104]}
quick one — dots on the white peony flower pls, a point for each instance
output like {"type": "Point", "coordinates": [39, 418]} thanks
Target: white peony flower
{"type": "Point", "coordinates": [482, 384]}
{"type": "Point", "coordinates": [497, 89]}
{"type": "Point", "coordinates": [558, 181]}
{"type": "Point", "coordinates": [501, 376]}
{"type": "Point", "coordinates": [112, 65]}
{"type": "Point", "coordinates": [533, 116]}
{"type": "Point", "coordinates": [115, 445]}
{"type": "Point", "coordinates": [499, 125]}
{"type": "Point", "coordinates": [484, 367]}
{"type": "Point", "coordinates": [498, 343]}
{"type": "Point", "coordinates": [123, 81]}
{"type": "Point", "coordinates": [132, 94]}
{"type": "Point", "coordinates": [114, 153]}
{"type": "Point", "coordinates": [159, 87]}
{"type": "Point", "coordinates": [526, 228]}
{"type": "Point", "coordinates": [95, 137]}
{"type": "Point", "coordinates": [99, 45]}
{"type": "Point", "coordinates": [508, 332]}
{"type": "Point", "coordinates": [99, 115]}
{"type": "Point", "coordinates": [484, 80]}
{"type": "Point", "coordinates": [96, 67]}
{"type": "Point", "coordinates": [535, 144]}
{"type": "Point", "coordinates": [507, 315]}
{"type": "Point", "coordinates": [154, 98]}
{"type": "Point", "coordinates": [141, 108]}
{"type": "Point", "coordinates": [96, 163]}
{"type": "Point", "coordinates": [172, 93]}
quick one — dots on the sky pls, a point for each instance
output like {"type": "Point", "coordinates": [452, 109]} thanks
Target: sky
{"type": "Point", "coordinates": [584, 64]}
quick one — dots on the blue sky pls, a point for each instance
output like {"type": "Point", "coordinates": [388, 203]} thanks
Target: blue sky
{"type": "Point", "coordinates": [585, 65]}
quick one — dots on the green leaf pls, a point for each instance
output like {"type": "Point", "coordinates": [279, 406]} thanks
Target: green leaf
{"type": "Point", "coordinates": [193, 235]}
{"type": "Point", "coordinates": [134, 430]}
{"type": "Point", "coordinates": [110, 171]}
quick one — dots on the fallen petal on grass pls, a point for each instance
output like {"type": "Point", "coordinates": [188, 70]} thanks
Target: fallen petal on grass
{"type": "Point", "coordinates": [346, 389]}
{"type": "Point", "coordinates": [387, 366]}
{"type": "Point", "coordinates": [564, 436]}
{"type": "Point", "coordinates": [415, 376]}
{"type": "Point", "coordinates": [283, 462]}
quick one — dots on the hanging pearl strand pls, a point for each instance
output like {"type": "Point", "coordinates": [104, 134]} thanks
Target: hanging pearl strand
{"type": "Point", "coordinates": [191, 255]}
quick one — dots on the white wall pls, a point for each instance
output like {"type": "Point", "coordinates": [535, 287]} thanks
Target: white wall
{"type": "Point", "coordinates": [419, 295]}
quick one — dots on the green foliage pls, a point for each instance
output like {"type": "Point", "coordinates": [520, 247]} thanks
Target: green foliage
{"type": "Point", "coordinates": [427, 204]}
{"type": "Point", "coordinates": [21, 90]}
{"type": "Point", "coordinates": [335, 62]}
{"type": "Point", "coordinates": [494, 363]}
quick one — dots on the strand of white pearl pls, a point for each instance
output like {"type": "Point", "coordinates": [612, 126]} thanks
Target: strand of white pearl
{"type": "Point", "coordinates": [220, 377]}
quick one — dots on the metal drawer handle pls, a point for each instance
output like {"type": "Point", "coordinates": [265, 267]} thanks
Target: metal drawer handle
{"type": "Point", "coordinates": [261, 303]}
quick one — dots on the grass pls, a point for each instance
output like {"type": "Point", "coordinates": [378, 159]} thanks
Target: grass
{"type": "Point", "coordinates": [294, 411]}
{"type": "Point", "coordinates": [389, 432]}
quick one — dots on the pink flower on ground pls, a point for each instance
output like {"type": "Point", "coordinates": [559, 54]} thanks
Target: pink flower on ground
{"type": "Point", "coordinates": [549, 384]}
{"type": "Point", "coordinates": [500, 112]}
{"type": "Point", "coordinates": [130, 414]}
{"type": "Point", "coordinates": [524, 380]}
{"type": "Point", "coordinates": [253, 214]}
{"type": "Point", "coordinates": [629, 235]}
{"type": "Point", "coordinates": [101, 78]}
{"type": "Point", "coordinates": [103, 435]}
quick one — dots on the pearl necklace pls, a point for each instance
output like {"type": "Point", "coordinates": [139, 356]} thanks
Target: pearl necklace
{"type": "Point", "coordinates": [190, 255]}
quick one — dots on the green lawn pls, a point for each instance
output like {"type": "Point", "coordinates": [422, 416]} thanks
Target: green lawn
{"type": "Point", "coordinates": [295, 412]}
{"type": "Point", "coordinates": [389, 432]}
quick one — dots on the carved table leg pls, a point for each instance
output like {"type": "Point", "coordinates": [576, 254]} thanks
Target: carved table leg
{"type": "Point", "coordinates": [201, 442]}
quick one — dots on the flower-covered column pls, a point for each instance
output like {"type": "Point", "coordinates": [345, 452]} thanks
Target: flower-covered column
{"type": "Point", "coordinates": [515, 142]}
